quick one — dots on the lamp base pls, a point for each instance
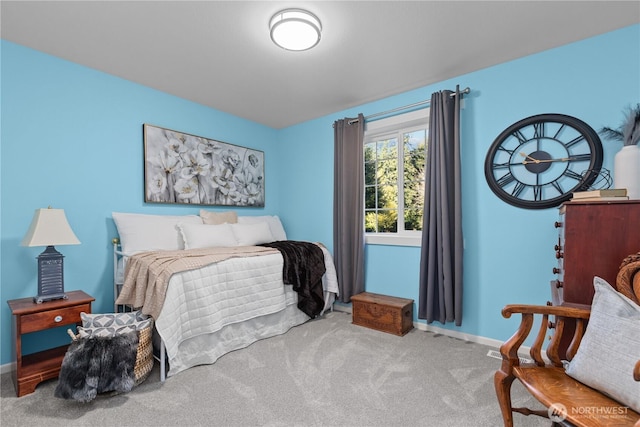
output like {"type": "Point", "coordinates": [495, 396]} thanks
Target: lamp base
{"type": "Point", "coordinates": [50, 276]}
{"type": "Point", "coordinates": [42, 298]}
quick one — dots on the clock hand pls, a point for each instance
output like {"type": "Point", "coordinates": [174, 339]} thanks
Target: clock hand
{"type": "Point", "coordinates": [563, 159]}
{"type": "Point", "coordinates": [533, 160]}
{"type": "Point", "coordinates": [526, 156]}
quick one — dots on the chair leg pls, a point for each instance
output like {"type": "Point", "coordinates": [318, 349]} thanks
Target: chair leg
{"type": "Point", "coordinates": [502, 383]}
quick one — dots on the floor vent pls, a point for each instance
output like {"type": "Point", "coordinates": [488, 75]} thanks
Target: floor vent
{"type": "Point", "coordinates": [496, 355]}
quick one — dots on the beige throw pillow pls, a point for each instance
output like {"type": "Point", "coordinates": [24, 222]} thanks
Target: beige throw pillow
{"type": "Point", "coordinates": [217, 218]}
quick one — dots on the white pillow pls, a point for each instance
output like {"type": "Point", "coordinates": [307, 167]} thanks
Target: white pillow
{"type": "Point", "coordinates": [610, 347]}
{"type": "Point", "coordinates": [142, 232]}
{"type": "Point", "coordinates": [207, 236]}
{"type": "Point", "coordinates": [275, 225]}
{"type": "Point", "coordinates": [252, 234]}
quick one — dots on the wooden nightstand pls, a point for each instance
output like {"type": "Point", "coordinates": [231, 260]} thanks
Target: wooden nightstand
{"type": "Point", "coordinates": [28, 316]}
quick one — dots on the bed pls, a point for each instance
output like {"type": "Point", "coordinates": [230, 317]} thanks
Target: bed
{"type": "Point", "coordinates": [228, 289]}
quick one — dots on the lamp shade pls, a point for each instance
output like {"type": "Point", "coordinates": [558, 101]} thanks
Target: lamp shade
{"type": "Point", "coordinates": [295, 29]}
{"type": "Point", "coordinates": [49, 227]}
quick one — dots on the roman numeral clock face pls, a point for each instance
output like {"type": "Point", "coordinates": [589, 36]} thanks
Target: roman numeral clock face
{"type": "Point", "coordinates": [538, 162]}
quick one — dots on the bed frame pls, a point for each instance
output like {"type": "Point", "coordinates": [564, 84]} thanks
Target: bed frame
{"type": "Point", "coordinates": [120, 308]}
{"type": "Point", "coordinates": [118, 283]}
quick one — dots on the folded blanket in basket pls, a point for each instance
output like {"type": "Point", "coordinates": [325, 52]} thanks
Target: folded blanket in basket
{"type": "Point", "coordinates": [97, 365]}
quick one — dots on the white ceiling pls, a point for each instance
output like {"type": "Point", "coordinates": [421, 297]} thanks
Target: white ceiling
{"type": "Point", "coordinates": [218, 53]}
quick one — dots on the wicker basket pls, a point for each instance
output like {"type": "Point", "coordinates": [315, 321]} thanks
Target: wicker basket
{"type": "Point", "coordinates": [144, 355]}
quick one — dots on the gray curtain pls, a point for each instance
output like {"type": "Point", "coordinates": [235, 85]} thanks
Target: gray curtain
{"type": "Point", "coordinates": [441, 256]}
{"type": "Point", "coordinates": [348, 206]}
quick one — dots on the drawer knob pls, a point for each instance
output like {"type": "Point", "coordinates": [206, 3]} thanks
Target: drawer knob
{"type": "Point", "coordinates": [57, 319]}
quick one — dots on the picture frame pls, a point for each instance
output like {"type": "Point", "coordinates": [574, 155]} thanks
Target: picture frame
{"type": "Point", "coordinates": [181, 168]}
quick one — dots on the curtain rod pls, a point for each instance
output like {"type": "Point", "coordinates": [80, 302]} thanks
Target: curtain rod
{"type": "Point", "coordinates": [406, 107]}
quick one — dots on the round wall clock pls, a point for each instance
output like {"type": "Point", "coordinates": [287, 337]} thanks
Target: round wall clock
{"type": "Point", "coordinates": [539, 161]}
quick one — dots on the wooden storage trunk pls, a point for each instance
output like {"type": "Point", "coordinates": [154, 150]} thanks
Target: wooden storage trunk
{"type": "Point", "coordinates": [383, 313]}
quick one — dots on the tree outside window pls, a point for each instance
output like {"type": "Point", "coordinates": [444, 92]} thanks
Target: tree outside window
{"type": "Point", "coordinates": [394, 181]}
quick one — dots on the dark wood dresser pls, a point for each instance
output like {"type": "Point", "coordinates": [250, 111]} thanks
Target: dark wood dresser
{"type": "Point", "coordinates": [594, 238]}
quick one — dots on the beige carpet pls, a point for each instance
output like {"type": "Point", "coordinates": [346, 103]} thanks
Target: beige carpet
{"type": "Point", "coordinates": [326, 372]}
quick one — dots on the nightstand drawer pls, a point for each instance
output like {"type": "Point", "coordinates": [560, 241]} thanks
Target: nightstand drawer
{"type": "Point", "coordinates": [52, 318]}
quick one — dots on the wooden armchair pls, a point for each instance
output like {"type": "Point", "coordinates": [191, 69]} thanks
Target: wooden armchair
{"type": "Point", "coordinates": [546, 380]}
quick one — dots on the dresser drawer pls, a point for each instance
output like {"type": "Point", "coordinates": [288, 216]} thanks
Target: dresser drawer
{"type": "Point", "coordinates": [52, 318]}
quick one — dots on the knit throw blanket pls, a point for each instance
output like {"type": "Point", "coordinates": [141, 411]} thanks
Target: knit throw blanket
{"type": "Point", "coordinates": [98, 365]}
{"type": "Point", "coordinates": [303, 269]}
{"type": "Point", "coordinates": [147, 274]}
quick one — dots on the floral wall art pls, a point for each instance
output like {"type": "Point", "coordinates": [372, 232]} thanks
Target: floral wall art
{"type": "Point", "coordinates": [188, 169]}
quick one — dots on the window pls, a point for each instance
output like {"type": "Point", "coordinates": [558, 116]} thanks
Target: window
{"type": "Point", "coordinates": [395, 151]}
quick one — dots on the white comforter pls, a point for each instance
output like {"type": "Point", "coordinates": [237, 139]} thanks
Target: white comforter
{"type": "Point", "coordinates": [228, 305]}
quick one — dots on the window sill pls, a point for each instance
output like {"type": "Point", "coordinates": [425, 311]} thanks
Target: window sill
{"type": "Point", "coordinates": [373, 239]}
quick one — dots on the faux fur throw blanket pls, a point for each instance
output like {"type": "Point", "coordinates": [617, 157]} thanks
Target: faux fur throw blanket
{"type": "Point", "coordinates": [303, 269]}
{"type": "Point", "coordinates": [147, 274]}
{"type": "Point", "coordinates": [98, 365]}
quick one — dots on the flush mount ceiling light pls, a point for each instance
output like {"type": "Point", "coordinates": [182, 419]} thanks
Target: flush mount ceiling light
{"type": "Point", "coordinates": [295, 29]}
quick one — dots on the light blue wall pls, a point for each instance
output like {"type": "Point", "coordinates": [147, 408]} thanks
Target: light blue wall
{"type": "Point", "coordinates": [72, 138]}
{"type": "Point", "coordinates": [509, 252]}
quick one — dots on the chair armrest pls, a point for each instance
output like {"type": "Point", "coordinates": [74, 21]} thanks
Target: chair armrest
{"type": "Point", "coordinates": [573, 311]}
{"type": "Point", "coordinates": [510, 349]}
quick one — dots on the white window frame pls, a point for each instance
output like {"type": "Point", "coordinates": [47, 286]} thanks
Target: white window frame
{"type": "Point", "coordinates": [379, 128]}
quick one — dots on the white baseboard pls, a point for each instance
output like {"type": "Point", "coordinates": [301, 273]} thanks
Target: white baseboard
{"type": "Point", "coordinates": [459, 335]}
{"type": "Point", "coordinates": [524, 350]}
{"type": "Point", "coordinates": [343, 308]}
{"type": "Point", "coordinates": [7, 367]}
{"type": "Point", "coordinates": [442, 331]}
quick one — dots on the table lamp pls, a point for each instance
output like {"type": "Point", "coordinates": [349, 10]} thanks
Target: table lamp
{"type": "Point", "coordinates": [49, 227]}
